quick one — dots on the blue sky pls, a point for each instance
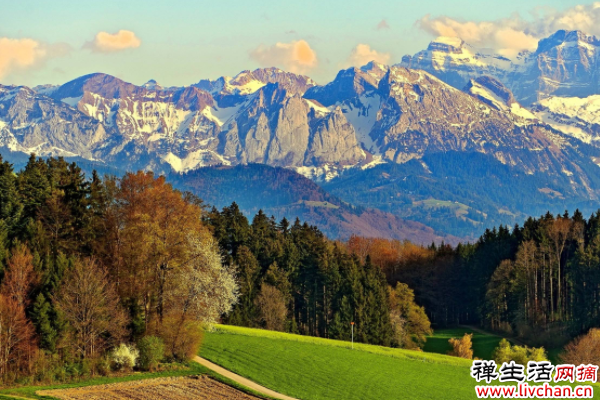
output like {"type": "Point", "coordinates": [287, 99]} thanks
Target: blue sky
{"type": "Point", "coordinates": [184, 41]}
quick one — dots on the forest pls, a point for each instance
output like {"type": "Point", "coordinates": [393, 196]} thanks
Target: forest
{"type": "Point", "coordinates": [95, 268]}
{"type": "Point", "coordinates": [292, 278]}
{"type": "Point", "coordinates": [539, 281]}
{"type": "Point", "coordinates": [98, 273]}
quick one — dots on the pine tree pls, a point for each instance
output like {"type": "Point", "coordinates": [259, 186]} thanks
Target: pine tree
{"type": "Point", "coordinates": [42, 316]}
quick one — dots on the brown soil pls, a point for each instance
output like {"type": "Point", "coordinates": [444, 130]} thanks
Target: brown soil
{"type": "Point", "coordinates": [181, 388]}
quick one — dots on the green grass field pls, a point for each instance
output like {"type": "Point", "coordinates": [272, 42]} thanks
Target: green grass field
{"type": "Point", "coordinates": [311, 368]}
{"type": "Point", "coordinates": [483, 345]}
{"type": "Point", "coordinates": [318, 369]}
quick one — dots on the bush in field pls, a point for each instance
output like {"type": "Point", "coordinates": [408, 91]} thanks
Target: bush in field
{"type": "Point", "coordinates": [152, 350]}
{"type": "Point", "coordinates": [182, 338]}
{"type": "Point", "coordinates": [519, 354]}
{"type": "Point", "coordinates": [124, 357]}
{"type": "Point", "coordinates": [462, 347]}
{"type": "Point", "coordinates": [103, 366]}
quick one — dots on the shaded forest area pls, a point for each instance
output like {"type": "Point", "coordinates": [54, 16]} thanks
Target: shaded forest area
{"type": "Point", "coordinates": [539, 281]}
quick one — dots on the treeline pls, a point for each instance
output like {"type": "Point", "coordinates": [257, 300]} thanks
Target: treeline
{"type": "Point", "coordinates": [91, 268]}
{"type": "Point", "coordinates": [539, 281]}
{"type": "Point", "coordinates": [292, 278]}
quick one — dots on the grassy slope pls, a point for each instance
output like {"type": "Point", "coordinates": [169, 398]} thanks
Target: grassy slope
{"type": "Point", "coordinates": [483, 345]}
{"type": "Point", "coordinates": [312, 368]}
{"type": "Point", "coordinates": [320, 369]}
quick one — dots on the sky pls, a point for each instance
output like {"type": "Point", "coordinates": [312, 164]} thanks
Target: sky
{"type": "Point", "coordinates": [179, 42]}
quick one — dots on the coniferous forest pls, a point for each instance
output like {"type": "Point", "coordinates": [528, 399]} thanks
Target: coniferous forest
{"type": "Point", "coordinates": [92, 264]}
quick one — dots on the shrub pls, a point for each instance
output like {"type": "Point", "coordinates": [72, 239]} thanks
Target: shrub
{"type": "Point", "coordinates": [103, 366]}
{"type": "Point", "coordinates": [462, 347]}
{"type": "Point", "coordinates": [124, 357]}
{"type": "Point", "coordinates": [152, 350]}
{"type": "Point", "coordinates": [584, 349]}
{"type": "Point", "coordinates": [519, 354]}
{"type": "Point", "coordinates": [182, 338]}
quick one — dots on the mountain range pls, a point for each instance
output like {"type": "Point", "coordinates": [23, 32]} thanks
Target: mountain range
{"type": "Point", "coordinates": [395, 138]}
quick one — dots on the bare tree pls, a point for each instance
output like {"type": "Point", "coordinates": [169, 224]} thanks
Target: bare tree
{"type": "Point", "coordinates": [17, 337]}
{"type": "Point", "coordinates": [583, 350]}
{"type": "Point", "coordinates": [272, 307]}
{"type": "Point", "coordinates": [90, 305]}
{"type": "Point", "coordinates": [21, 278]}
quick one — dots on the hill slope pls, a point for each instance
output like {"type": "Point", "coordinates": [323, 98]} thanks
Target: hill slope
{"type": "Point", "coordinates": [312, 368]}
{"type": "Point", "coordinates": [458, 193]}
{"type": "Point", "coordinates": [284, 193]}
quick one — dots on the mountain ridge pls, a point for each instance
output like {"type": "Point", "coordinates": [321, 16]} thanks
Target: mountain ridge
{"type": "Point", "coordinates": [367, 116]}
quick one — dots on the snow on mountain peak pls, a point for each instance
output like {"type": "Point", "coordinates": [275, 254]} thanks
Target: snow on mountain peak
{"type": "Point", "coordinates": [152, 85]}
{"type": "Point", "coordinates": [455, 42]}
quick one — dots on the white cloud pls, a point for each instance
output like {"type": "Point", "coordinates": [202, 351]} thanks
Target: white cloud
{"type": "Point", "coordinates": [363, 54]}
{"type": "Point", "coordinates": [105, 42]}
{"type": "Point", "coordinates": [22, 54]}
{"type": "Point", "coordinates": [296, 56]}
{"type": "Point", "coordinates": [511, 35]}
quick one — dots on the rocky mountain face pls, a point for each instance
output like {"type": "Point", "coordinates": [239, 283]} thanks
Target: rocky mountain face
{"type": "Point", "coordinates": [564, 64]}
{"type": "Point", "coordinates": [248, 82]}
{"type": "Point", "coordinates": [32, 123]}
{"type": "Point", "coordinates": [257, 116]}
{"type": "Point", "coordinates": [548, 81]}
{"type": "Point", "coordinates": [412, 113]}
{"type": "Point", "coordinates": [365, 116]}
{"type": "Point", "coordinates": [456, 62]}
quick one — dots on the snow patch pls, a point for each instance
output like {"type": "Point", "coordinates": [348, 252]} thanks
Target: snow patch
{"type": "Point", "coordinates": [194, 160]}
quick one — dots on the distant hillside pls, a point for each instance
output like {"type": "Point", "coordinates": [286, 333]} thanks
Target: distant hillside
{"type": "Point", "coordinates": [284, 193]}
{"type": "Point", "coordinates": [457, 192]}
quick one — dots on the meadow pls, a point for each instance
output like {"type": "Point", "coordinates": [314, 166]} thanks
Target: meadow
{"type": "Point", "coordinates": [483, 344]}
{"type": "Point", "coordinates": [318, 369]}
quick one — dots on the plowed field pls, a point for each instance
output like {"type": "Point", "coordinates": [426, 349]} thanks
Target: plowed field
{"type": "Point", "coordinates": [180, 388]}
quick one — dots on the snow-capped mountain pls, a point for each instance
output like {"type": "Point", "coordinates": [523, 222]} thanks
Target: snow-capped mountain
{"type": "Point", "coordinates": [456, 62]}
{"type": "Point", "coordinates": [492, 92]}
{"type": "Point", "coordinates": [564, 64]}
{"type": "Point", "coordinates": [578, 117]}
{"type": "Point", "coordinates": [248, 82]}
{"type": "Point", "coordinates": [33, 123]}
{"type": "Point", "coordinates": [365, 116]}
{"type": "Point", "coordinates": [257, 116]}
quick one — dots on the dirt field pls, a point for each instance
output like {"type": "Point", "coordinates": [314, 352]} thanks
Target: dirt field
{"type": "Point", "coordinates": [182, 388]}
